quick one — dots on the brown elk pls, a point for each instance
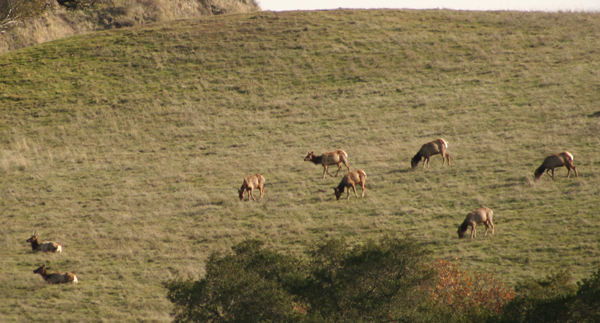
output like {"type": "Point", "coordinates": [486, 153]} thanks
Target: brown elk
{"type": "Point", "coordinates": [556, 160]}
{"type": "Point", "coordinates": [350, 180]}
{"type": "Point", "coordinates": [48, 246]}
{"type": "Point", "coordinates": [429, 149]}
{"type": "Point", "coordinates": [481, 215]}
{"type": "Point", "coordinates": [330, 158]}
{"type": "Point", "coordinates": [250, 183]}
{"type": "Point", "coordinates": [56, 278]}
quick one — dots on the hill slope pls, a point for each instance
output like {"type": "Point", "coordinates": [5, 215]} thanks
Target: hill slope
{"type": "Point", "coordinates": [128, 146]}
{"type": "Point", "coordinates": [57, 22]}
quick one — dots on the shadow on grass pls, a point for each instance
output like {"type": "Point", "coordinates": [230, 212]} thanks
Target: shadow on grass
{"type": "Point", "coordinates": [400, 171]}
{"type": "Point", "coordinates": [506, 185]}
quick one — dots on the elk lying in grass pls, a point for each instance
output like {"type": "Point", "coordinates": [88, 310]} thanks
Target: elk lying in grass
{"type": "Point", "coordinates": [350, 180]}
{"type": "Point", "coordinates": [48, 246]}
{"type": "Point", "coordinates": [250, 183]}
{"type": "Point", "coordinates": [56, 278]}
{"type": "Point", "coordinates": [327, 159]}
{"type": "Point", "coordinates": [481, 215]}
{"type": "Point", "coordinates": [556, 160]}
{"type": "Point", "coordinates": [429, 149]}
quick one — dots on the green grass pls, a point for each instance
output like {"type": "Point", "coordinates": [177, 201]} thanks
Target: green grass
{"type": "Point", "coordinates": [128, 146]}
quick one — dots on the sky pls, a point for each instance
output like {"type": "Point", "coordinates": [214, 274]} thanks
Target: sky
{"type": "Point", "coordinates": [520, 5]}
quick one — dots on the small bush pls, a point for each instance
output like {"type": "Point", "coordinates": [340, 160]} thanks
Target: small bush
{"type": "Point", "coordinates": [586, 304]}
{"type": "Point", "coordinates": [247, 286]}
{"type": "Point", "coordinates": [541, 300]}
{"type": "Point", "coordinates": [374, 282]}
{"type": "Point", "coordinates": [468, 297]}
{"type": "Point", "coordinates": [555, 299]}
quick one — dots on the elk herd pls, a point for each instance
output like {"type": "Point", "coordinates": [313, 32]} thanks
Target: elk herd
{"type": "Point", "coordinates": [338, 157]}
{"type": "Point", "coordinates": [50, 246]}
{"type": "Point", "coordinates": [351, 179]}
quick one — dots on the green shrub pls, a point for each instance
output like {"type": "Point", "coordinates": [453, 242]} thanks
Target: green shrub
{"type": "Point", "coordinates": [541, 300]}
{"type": "Point", "coordinates": [377, 281]}
{"type": "Point", "coordinates": [373, 282]}
{"type": "Point", "coordinates": [586, 304]}
{"type": "Point", "coordinates": [247, 286]}
{"type": "Point", "coordinates": [555, 299]}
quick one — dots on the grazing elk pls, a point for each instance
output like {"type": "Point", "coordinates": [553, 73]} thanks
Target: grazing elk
{"type": "Point", "coordinates": [350, 180]}
{"type": "Point", "coordinates": [481, 215]}
{"type": "Point", "coordinates": [556, 160]}
{"type": "Point", "coordinates": [429, 149]}
{"type": "Point", "coordinates": [327, 159]}
{"type": "Point", "coordinates": [48, 246]}
{"type": "Point", "coordinates": [56, 278]}
{"type": "Point", "coordinates": [250, 183]}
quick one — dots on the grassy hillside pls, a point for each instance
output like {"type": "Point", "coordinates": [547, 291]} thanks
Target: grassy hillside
{"type": "Point", "coordinates": [128, 146]}
{"type": "Point", "coordinates": [58, 22]}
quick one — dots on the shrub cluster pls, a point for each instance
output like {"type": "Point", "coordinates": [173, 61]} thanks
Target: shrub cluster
{"type": "Point", "coordinates": [380, 281]}
{"type": "Point", "coordinates": [555, 299]}
{"type": "Point", "coordinates": [374, 282]}
{"type": "Point", "coordinates": [388, 280]}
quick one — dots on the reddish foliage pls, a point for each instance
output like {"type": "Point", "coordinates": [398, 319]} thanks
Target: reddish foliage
{"type": "Point", "coordinates": [462, 291]}
{"type": "Point", "coordinates": [300, 308]}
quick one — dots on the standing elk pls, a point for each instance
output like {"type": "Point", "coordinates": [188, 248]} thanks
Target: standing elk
{"type": "Point", "coordinates": [48, 246]}
{"type": "Point", "coordinates": [56, 278]}
{"type": "Point", "coordinates": [556, 160]}
{"type": "Point", "coordinates": [250, 183]}
{"type": "Point", "coordinates": [327, 159]}
{"type": "Point", "coordinates": [350, 180]}
{"type": "Point", "coordinates": [481, 215]}
{"type": "Point", "coordinates": [429, 149]}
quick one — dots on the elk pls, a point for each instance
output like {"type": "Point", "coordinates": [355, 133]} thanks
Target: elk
{"type": "Point", "coordinates": [481, 215]}
{"type": "Point", "coordinates": [250, 183]}
{"type": "Point", "coordinates": [56, 278]}
{"type": "Point", "coordinates": [429, 149]}
{"type": "Point", "coordinates": [557, 160]}
{"type": "Point", "coordinates": [48, 246]}
{"type": "Point", "coordinates": [350, 180]}
{"type": "Point", "coordinates": [330, 158]}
